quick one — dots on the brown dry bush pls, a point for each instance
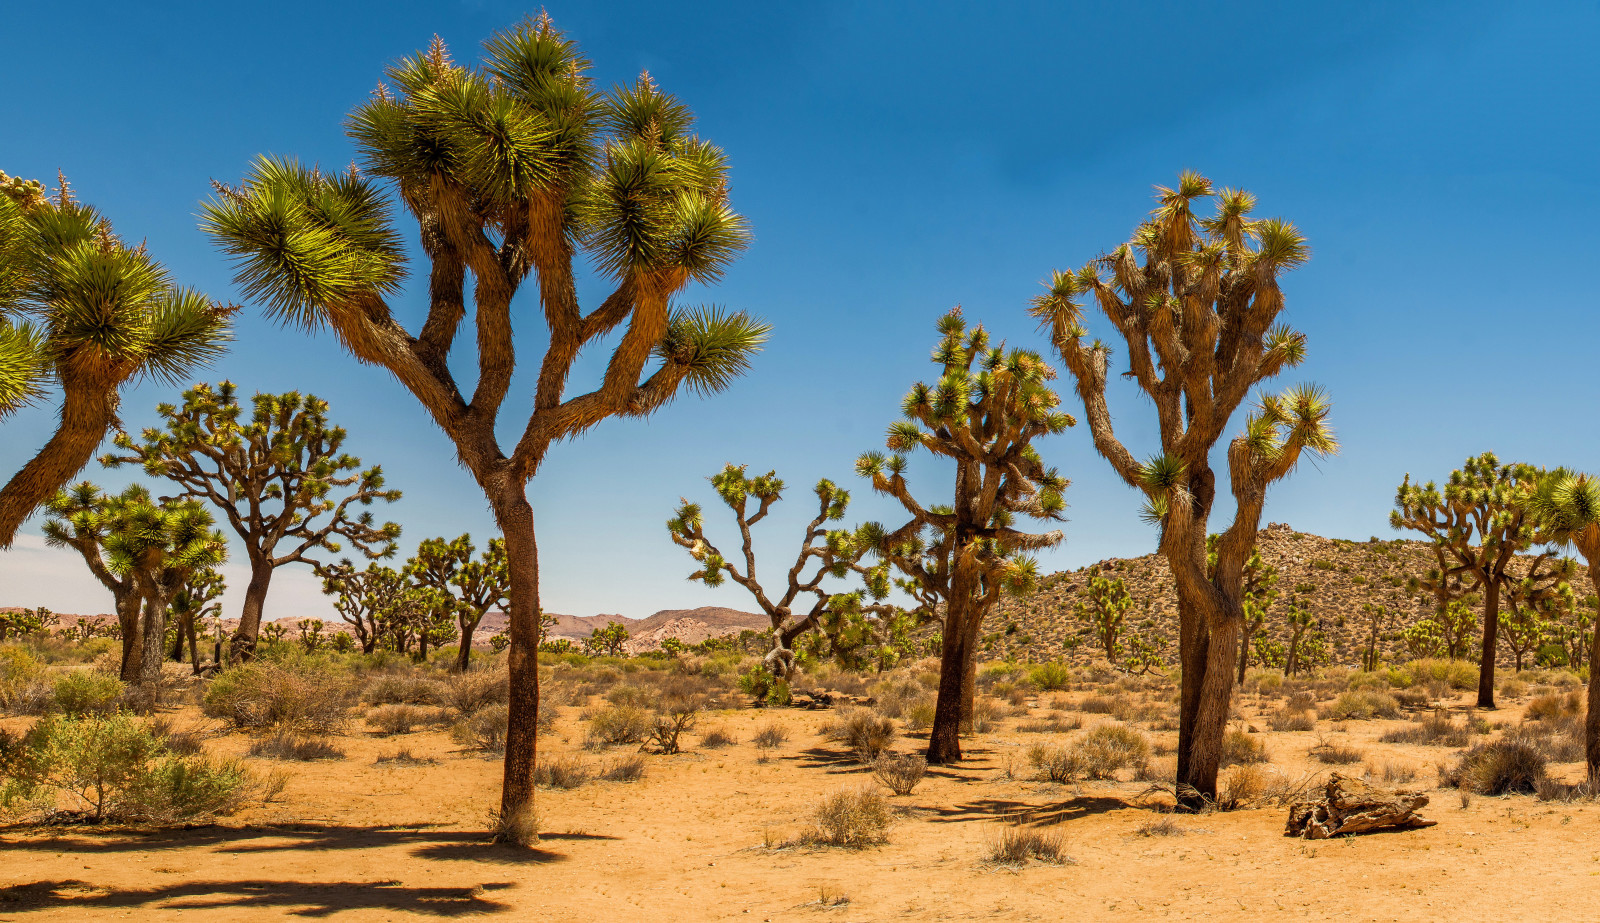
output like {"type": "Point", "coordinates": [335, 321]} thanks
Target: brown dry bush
{"type": "Point", "coordinates": [1554, 706]}
{"type": "Point", "coordinates": [900, 772]}
{"type": "Point", "coordinates": [1052, 724]}
{"type": "Point", "coordinates": [1061, 765]}
{"type": "Point", "coordinates": [1014, 846]}
{"type": "Point", "coordinates": [618, 724]}
{"type": "Point", "coordinates": [1289, 719]}
{"type": "Point", "coordinates": [465, 693]}
{"type": "Point", "coordinates": [560, 772]}
{"type": "Point", "coordinates": [1433, 729]}
{"type": "Point", "coordinates": [1242, 747]}
{"type": "Point", "coordinates": [1363, 704]}
{"type": "Point", "coordinates": [1335, 754]}
{"type": "Point", "coordinates": [1498, 767]}
{"type": "Point", "coordinates": [306, 696]}
{"type": "Point", "coordinates": [851, 818]}
{"type": "Point", "coordinates": [282, 746]}
{"type": "Point", "coordinates": [403, 688]}
{"type": "Point", "coordinates": [717, 738]}
{"type": "Point", "coordinates": [770, 737]}
{"type": "Point", "coordinates": [397, 719]}
{"type": "Point", "coordinates": [484, 729]}
{"type": "Point", "coordinates": [867, 735]}
{"type": "Point", "coordinates": [1098, 705]}
{"type": "Point", "coordinates": [1109, 748]}
{"type": "Point", "coordinates": [627, 769]}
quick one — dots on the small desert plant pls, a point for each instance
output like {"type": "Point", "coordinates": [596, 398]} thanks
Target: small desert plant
{"type": "Point", "coordinates": [629, 696]}
{"type": "Point", "coordinates": [1245, 785]}
{"type": "Point", "coordinates": [285, 746]}
{"type": "Point", "coordinates": [1014, 846]}
{"type": "Point", "coordinates": [1498, 767]}
{"type": "Point", "coordinates": [1554, 706]}
{"type": "Point", "coordinates": [1335, 754]}
{"type": "Point", "coordinates": [1054, 724]}
{"type": "Point", "coordinates": [866, 734]}
{"type": "Point", "coordinates": [900, 772]}
{"type": "Point", "coordinates": [404, 757]}
{"type": "Point", "coordinates": [667, 728]}
{"type": "Point", "coordinates": [1056, 764]}
{"type": "Point", "coordinates": [1393, 773]}
{"type": "Point", "coordinates": [1289, 719]}
{"type": "Point", "coordinates": [851, 818]}
{"type": "Point", "coordinates": [919, 714]}
{"type": "Point", "coordinates": [1051, 677]}
{"type": "Point", "coordinates": [1435, 729]}
{"type": "Point", "coordinates": [560, 772]}
{"type": "Point", "coordinates": [403, 688]}
{"type": "Point", "coordinates": [520, 828]}
{"type": "Point", "coordinates": [770, 737]}
{"type": "Point", "coordinates": [186, 742]}
{"type": "Point", "coordinates": [1513, 688]}
{"type": "Point", "coordinates": [1242, 747]}
{"type": "Point", "coordinates": [1364, 704]}
{"type": "Point", "coordinates": [484, 729]}
{"type": "Point", "coordinates": [86, 692]}
{"type": "Point", "coordinates": [1098, 705]}
{"type": "Point", "coordinates": [396, 719]}
{"type": "Point", "coordinates": [465, 693]}
{"type": "Point", "coordinates": [1166, 826]}
{"type": "Point", "coordinates": [618, 724]}
{"type": "Point", "coordinates": [1111, 747]}
{"type": "Point", "coordinates": [309, 696]}
{"type": "Point", "coordinates": [627, 769]}
{"type": "Point", "coordinates": [717, 738]}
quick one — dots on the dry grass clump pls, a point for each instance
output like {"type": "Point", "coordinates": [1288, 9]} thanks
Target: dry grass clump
{"type": "Point", "coordinates": [1434, 729]}
{"type": "Point", "coordinates": [1015, 846]}
{"type": "Point", "coordinates": [770, 737]}
{"type": "Point", "coordinates": [919, 714]}
{"type": "Point", "coordinates": [1061, 765]}
{"type": "Point", "coordinates": [851, 818]}
{"type": "Point", "coordinates": [1554, 706]}
{"type": "Point", "coordinates": [1053, 724]}
{"type": "Point", "coordinates": [1290, 719]}
{"type": "Point", "coordinates": [618, 724]}
{"type": "Point", "coordinates": [1098, 705]}
{"type": "Point", "coordinates": [894, 696]}
{"type": "Point", "coordinates": [1243, 747]}
{"type": "Point", "coordinates": [466, 693]}
{"type": "Point", "coordinates": [1363, 704]}
{"type": "Point", "coordinates": [560, 772]}
{"type": "Point", "coordinates": [397, 719]}
{"type": "Point", "coordinates": [866, 734]}
{"type": "Point", "coordinates": [1166, 826]}
{"type": "Point", "coordinates": [186, 742]}
{"type": "Point", "coordinates": [404, 757]}
{"type": "Point", "coordinates": [716, 739]}
{"type": "Point", "coordinates": [307, 696]}
{"type": "Point", "coordinates": [285, 746]}
{"type": "Point", "coordinates": [1497, 768]}
{"type": "Point", "coordinates": [1392, 773]}
{"type": "Point", "coordinates": [1335, 754]}
{"type": "Point", "coordinates": [1513, 688]}
{"type": "Point", "coordinates": [900, 772]}
{"type": "Point", "coordinates": [629, 696]}
{"type": "Point", "coordinates": [1560, 740]}
{"type": "Point", "coordinates": [1111, 747]}
{"type": "Point", "coordinates": [1548, 789]}
{"type": "Point", "coordinates": [520, 828]}
{"type": "Point", "coordinates": [403, 688]}
{"type": "Point", "coordinates": [485, 729]}
{"type": "Point", "coordinates": [627, 769]}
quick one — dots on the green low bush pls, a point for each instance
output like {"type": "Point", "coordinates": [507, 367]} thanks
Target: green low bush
{"type": "Point", "coordinates": [86, 692]}
{"type": "Point", "coordinates": [1363, 704]}
{"type": "Point", "coordinates": [1051, 677]}
{"type": "Point", "coordinates": [309, 695]}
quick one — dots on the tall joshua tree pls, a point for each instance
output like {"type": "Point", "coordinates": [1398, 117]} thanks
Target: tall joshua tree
{"type": "Point", "coordinates": [471, 587]}
{"type": "Point", "coordinates": [983, 413]}
{"type": "Point", "coordinates": [82, 312]}
{"type": "Point", "coordinates": [1567, 506]}
{"type": "Point", "coordinates": [279, 478]}
{"type": "Point", "coordinates": [1196, 301]}
{"type": "Point", "coordinates": [1477, 525]}
{"type": "Point", "coordinates": [78, 519]}
{"type": "Point", "coordinates": [833, 553]}
{"type": "Point", "coordinates": [514, 169]}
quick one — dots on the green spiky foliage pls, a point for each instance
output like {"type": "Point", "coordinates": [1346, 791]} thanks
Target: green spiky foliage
{"type": "Point", "coordinates": [608, 641]}
{"type": "Point", "coordinates": [983, 413]}
{"type": "Point", "coordinates": [280, 478]}
{"type": "Point", "coordinates": [1567, 506]}
{"type": "Point", "coordinates": [1448, 632]}
{"type": "Point", "coordinates": [359, 596]}
{"type": "Point", "coordinates": [1196, 303]}
{"type": "Point", "coordinates": [514, 170]}
{"type": "Point", "coordinates": [472, 586]}
{"type": "Point", "coordinates": [78, 518]}
{"type": "Point", "coordinates": [1304, 642]}
{"type": "Point", "coordinates": [856, 620]}
{"type": "Point", "coordinates": [407, 618]}
{"type": "Point", "coordinates": [197, 598]}
{"type": "Point", "coordinates": [83, 314]}
{"type": "Point", "coordinates": [24, 622]}
{"type": "Point", "coordinates": [1477, 525]}
{"type": "Point", "coordinates": [1103, 604]}
{"type": "Point", "coordinates": [1525, 622]}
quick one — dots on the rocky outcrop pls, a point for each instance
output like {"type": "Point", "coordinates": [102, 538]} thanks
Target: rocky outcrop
{"type": "Point", "coordinates": [1352, 806]}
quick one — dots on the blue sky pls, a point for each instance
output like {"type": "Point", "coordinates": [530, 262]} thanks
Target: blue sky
{"type": "Point", "coordinates": [895, 160]}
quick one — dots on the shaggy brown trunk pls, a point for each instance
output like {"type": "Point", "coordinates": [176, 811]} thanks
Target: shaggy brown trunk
{"type": "Point", "coordinates": [944, 741]}
{"type": "Point", "coordinates": [243, 647]}
{"type": "Point", "coordinates": [88, 411]}
{"type": "Point", "coordinates": [1591, 719]}
{"type": "Point", "coordinates": [1491, 628]}
{"type": "Point", "coordinates": [178, 639]}
{"type": "Point", "coordinates": [155, 638]}
{"type": "Point", "coordinates": [464, 655]}
{"type": "Point", "coordinates": [1244, 651]}
{"type": "Point", "coordinates": [132, 650]}
{"type": "Point", "coordinates": [194, 644]}
{"type": "Point", "coordinates": [514, 516]}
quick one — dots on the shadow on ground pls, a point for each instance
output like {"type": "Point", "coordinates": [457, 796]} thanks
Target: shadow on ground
{"type": "Point", "coordinates": [294, 898]}
{"type": "Point", "coordinates": [1033, 815]}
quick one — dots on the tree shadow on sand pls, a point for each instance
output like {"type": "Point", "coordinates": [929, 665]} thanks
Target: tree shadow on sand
{"type": "Point", "coordinates": [292, 898]}
{"type": "Point", "coordinates": [1033, 815]}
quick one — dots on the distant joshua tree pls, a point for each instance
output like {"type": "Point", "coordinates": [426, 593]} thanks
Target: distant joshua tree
{"type": "Point", "coordinates": [983, 413]}
{"type": "Point", "coordinates": [83, 312]}
{"type": "Point", "coordinates": [278, 478]}
{"type": "Point", "coordinates": [472, 587]}
{"type": "Point", "coordinates": [1196, 302]}
{"type": "Point", "coordinates": [514, 169]}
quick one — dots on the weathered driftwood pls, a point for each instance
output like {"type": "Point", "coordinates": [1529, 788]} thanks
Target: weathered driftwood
{"type": "Point", "coordinates": [1353, 806]}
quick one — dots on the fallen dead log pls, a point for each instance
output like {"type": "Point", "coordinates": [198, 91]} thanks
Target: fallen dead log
{"type": "Point", "coordinates": [1352, 806]}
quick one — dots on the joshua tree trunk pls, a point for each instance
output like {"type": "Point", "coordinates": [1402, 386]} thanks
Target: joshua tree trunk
{"type": "Point", "coordinates": [464, 654]}
{"type": "Point", "coordinates": [178, 638]}
{"type": "Point", "coordinates": [132, 649]}
{"type": "Point", "coordinates": [155, 637]}
{"type": "Point", "coordinates": [944, 741]}
{"type": "Point", "coordinates": [243, 646]}
{"type": "Point", "coordinates": [1491, 628]}
{"type": "Point", "coordinates": [194, 646]}
{"type": "Point", "coordinates": [88, 411]}
{"type": "Point", "coordinates": [514, 516]}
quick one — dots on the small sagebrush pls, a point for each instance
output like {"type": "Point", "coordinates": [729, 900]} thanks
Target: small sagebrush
{"type": "Point", "coordinates": [1497, 768]}
{"type": "Point", "coordinates": [1363, 704]}
{"type": "Point", "coordinates": [560, 772]}
{"type": "Point", "coordinates": [627, 769]}
{"type": "Point", "coordinates": [485, 729]}
{"type": "Point", "coordinates": [1292, 719]}
{"type": "Point", "coordinates": [850, 818]}
{"type": "Point", "coordinates": [396, 719]}
{"type": "Point", "coordinates": [866, 734]}
{"type": "Point", "coordinates": [900, 772]}
{"type": "Point", "coordinates": [619, 724]}
{"type": "Point", "coordinates": [717, 738]}
{"type": "Point", "coordinates": [770, 737]}
{"type": "Point", "coordinates": [1434, 729]}
{"type": "Point", "coordinates": [1242, 747]}
{"type": "Point", "coordinates": [1014, 846]}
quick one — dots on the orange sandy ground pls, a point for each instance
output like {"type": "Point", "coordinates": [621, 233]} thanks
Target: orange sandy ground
{"type": "Point", "coordinates": [355, 840]}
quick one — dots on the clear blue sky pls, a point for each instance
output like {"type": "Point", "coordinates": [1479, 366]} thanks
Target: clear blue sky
{"type": "Point", "coordinates": [894, 161]}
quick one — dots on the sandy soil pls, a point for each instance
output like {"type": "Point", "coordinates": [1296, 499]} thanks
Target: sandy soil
{"type": "Point", "coordinates": [358, 840]}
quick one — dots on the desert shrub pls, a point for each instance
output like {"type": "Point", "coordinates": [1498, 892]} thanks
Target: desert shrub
{"type": "Point", "coordinates": [1364, 704]}
{"type": "Point", "coordinates": [1166, 826]}
{"type": "Point", "coordinates": [1554, 706]}
{"type": "Point", "coordinates": [1244, 786]}
{"type": "Point", "coordinates": [985, 714]}
{"type": "Point", "coordinates": [306, 695]}
{"type": "Point", "coordinates": [1301, 701]}
{"type": "Point", "coordinates": [867, 735]}
{"type": "Point", "coordinates": [402, 688]}
{"type": "Point", "coordinates": [404, 757]}
{"type": "Point", "coordinates": [1111, 747]}
{"type": "Point", "coordinates": [895, 696]}
{"type": "Point", "coordinates": [1051, 677]}
{"type": "Point", "coordinates": [851, 818]}
{"type": "Point", "coordinates": [1368, 681]}
{"type": "Point", "coordinates": [484, 729]}
{"type": "Point", "coordinates": [465, 693]}
{"type": "Point", "coordinates": [86, 692]}
{"type": "Point", "coordinates": [919, 714]}
{"type": "Point", "coordinates": [1548, 789]}
{"type": "Point", "coordinates": [1242, 747]}
{"type": "Point", "coordinates": [1560, 740]}
{"type": "Point", "coordinates": [560, 772]}
{"type": "Point", "coordinates": [396, 719]}
{"type": "Point", "coordinates": [1133, 712]}
{"type": "Point", "coordinates": [1513, 688]}
{"type": "Point", "coordinates": [1060, 765]}
{"type": "Point", "coordinates": [1098, 705]}
{"type": "Point", "coordinates": [629, 696]}
{"type": "Point", "coordinates": [668, 727]}
{"type": "Point", "coordinates": [1434, 729]}
{"type": "Point", "coordinates": [1412, 698]}
{"type": "Point", "coordinates": [900, 772]}
{"type": "Point", "coordinates": [760, 685]}
{"type": "Point", "coordinates": [1264, 682]}
{"type": "Point", "coordinates": [717, 738]}
{"type": "Point", "coordinates": [770, 737]}
{"type": "Point", "coordinates": [1457, 674]}
{"type": "Point", "coordinates": [117, 769]}
{"type": "Point", "coordinates": [1497, 768]}
{"type": "Point", "coordinates": [23, 689]}
{"type": "Point", "coordinates": [627, 769]}
{"type": "Point", "coordinates": [1336, 754]}
{"type": "Point", "coordinates": [1014, 846]}
{"type": "Point", "coordinates": [1393, 773]}
{"type": "Point", "coordinates": [282, 746]}
{"type": "Point", "coordinates": [1289, 719]}
{"type": "Point", "coordinates": [1054, 724]}
{"type": "Point", "coordinates": [618, 724]}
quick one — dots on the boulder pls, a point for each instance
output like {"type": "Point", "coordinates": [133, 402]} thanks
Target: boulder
{"type": "Point", "coordinates": [1352, 806]}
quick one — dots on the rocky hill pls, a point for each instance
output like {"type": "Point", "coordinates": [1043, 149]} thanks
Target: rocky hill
{"type": "Point", "coordinates": [1332, 577]}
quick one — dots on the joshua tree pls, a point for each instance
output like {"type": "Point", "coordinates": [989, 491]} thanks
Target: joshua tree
{"type": "Point", "coordinates": [78, 519]}
{"type": "Point", "coordinates": [1300, 622]}
{"type": "Point", "coordinates": [278, 477]}
{"type": "Point", "coordinates": [834, 552]}
{"type": "Point", "coordinates": [1196, 301]}
{"type": "Point", "coordinates": [359, 595]}
{"type": "Point", "coordinates": [517, 168]}
{"type": "Point", "coordinates": [1567, 506]}
{"type": "Point", "coordinates": [23, 622]}
{"type": "Point", "coordinates": [983, 413]}
{"type": "Point", "coordinates": [1260, 591]}
{"type": "Point", "coordinates": [1377, 619]}
{"type": "Point", "coordinates": [608, 640]}
{"type": "Point", "coordinates": [83, 312]}
{"type": "Point", "coordinates": [1104, 603]}
{"type": "Point", "coordinates": [196, 599]}
{"type": "Point", "coordinates": [1479, 523]}
{"type": "Point", "coordinates": [473, 587]}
